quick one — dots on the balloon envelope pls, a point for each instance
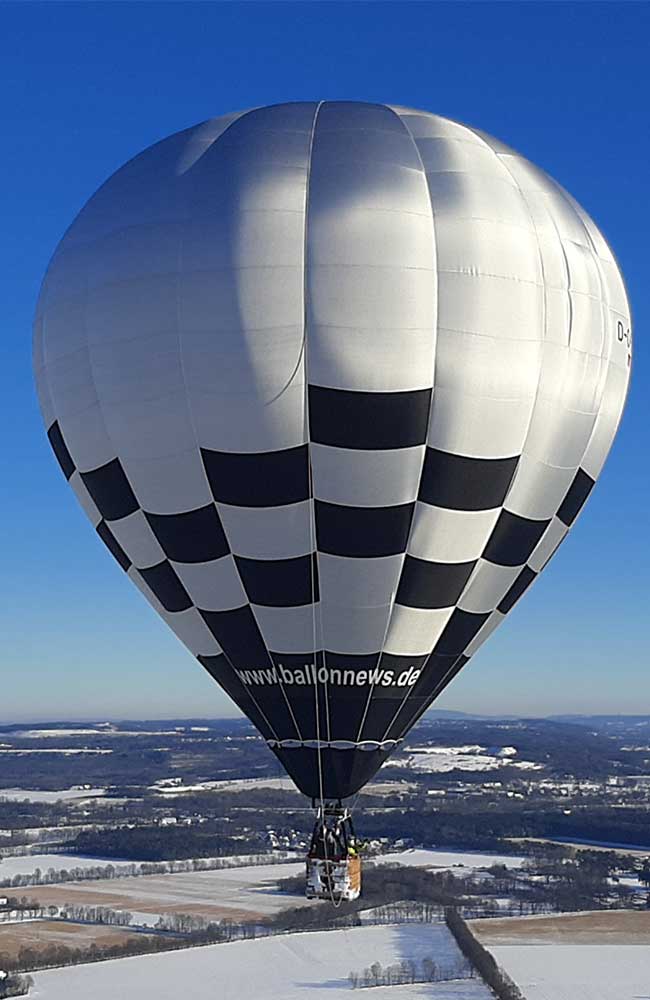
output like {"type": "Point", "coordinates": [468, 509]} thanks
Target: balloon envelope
{"type": "Point", "coordinates": [332, 382]}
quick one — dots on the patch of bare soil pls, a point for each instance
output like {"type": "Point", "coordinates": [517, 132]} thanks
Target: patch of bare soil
{"type": "Point", "coordinates": [593, 927]}
{"type": "Point", "coordinates": [39, 934]}
{"type": "Point", "coordinates": [209, 912]}
{"type": "Point", "coordinates": [98, 894]}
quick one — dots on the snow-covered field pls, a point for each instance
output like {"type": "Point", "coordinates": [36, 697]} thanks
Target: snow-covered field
{"type": "Point", "coordinates": [577, 972]}
{"type": "Point", "coordinates": [224, 785]}
{"type": "Point", "coordinates": [28, 863]}
{"type": "Point", "coordinates": [462, 758]}
{"type": "Point", "coordinates": [64, 795]}
{"type": "Point", "coordinates": [290, 967]}
{"type": "Point", "coordinates": [172, 789]}
{"type": "Point", "coordinates": [451, 859]}
{"type": "Point", "coordinates": [236, 893]}
{"type": "Point", "coordinates": [62, 750]}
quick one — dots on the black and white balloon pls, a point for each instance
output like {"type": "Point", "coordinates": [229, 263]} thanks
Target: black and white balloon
{"type": "Point", "coordinates": [332, 382]}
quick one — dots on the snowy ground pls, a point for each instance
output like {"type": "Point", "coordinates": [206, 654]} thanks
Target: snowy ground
{"type": "Point", "coordinates": [578, 972]}
{"type": "Point", "coordinates": [28, 863]}
{"type": "Point", "coordinates": [289, 967]}
{"type": "Point", "coordinates": [64, 795]}
{"type": "Point", "coordinates": [224, 785]}
{"type": "Point", "coordinates": [169, 790]}
{"type": "Point", "coordinates": [451, 859]}
{"type": "Point", "coordinates": [439, 760]}
{"type": "Point", "coordinates": [236, 893]}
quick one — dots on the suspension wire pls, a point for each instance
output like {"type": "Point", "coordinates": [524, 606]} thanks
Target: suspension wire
{"type": "Point", "coordinates": [379, 656]}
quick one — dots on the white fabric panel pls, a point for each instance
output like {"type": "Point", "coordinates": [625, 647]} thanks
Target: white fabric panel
{"type": "Point", "coordinates": [551, 249]}
{"type": "Point", "coordinates": [447, 154]}
{"type": "Point", "coordinates": [487, 585]}
{"type": "Point", "coordinates": [487, 247]}
{"type": "Point", "coordinates": [441, 535]}
{"type": "Point", "coordinates": [138, 540]}
{"type": "Point", "coordinates": [484, 632]}
{"type": "Point", "coordinates": [529, 177]}
{"type": "Point", "coordinates": [150, 428]}
{"type": "Point", "coordinates": [477, 196]}
{"type": "Point", "coordinates": [355, 630]}
{"type": "Point", "coordinates": [547, 545]}
{"type": "Point", "coordinates": [492, 307]}
{"type": "Point", "coordinates": [587, 324]}
{"type": "Point", "coordinates": [268, 532]}
{"type": "Point", "coordinates": [495, 144]}
{"type": "Point", "coordinates": [144, 368]}
{"type": "Point", "coordinates": [145, 251]}
{"type": "Point", "coordinates": [571, 386]}
{"type": "Point", "coordinates": [71, 386]}
{"type": "Point", "coordinates": [583, 269]}
{"type": "Point", "coordinates": [48, 410]}
{"type": "Point", "coordinates": [422, 124]}
{"type": "Point", "coordinates": [241, 349]}
{"type": "Point", "coordinates": [201, 138]}
{"type": "Point", "coordinates": [238, 306]}
{"type": "Point", "coordinates": [142, 192]}
{"type": "Point", "coordinates": [249, 239]}
{"type": "Point", "coordinates": [477, 426]}
{"type": "Point", "coordinates": [607, 420]}
{"type": "Point", "coordinates": [368, 201]}
{"type": "Point", "coordinates": [213, 586]}
{"type": "Point", "coordinates": [615, 286]}
{"type": "Point", "coordinates": [358, 582]}
{"type": "Point", "coordinates": [368, 231]}
{"type": "Point", "coordinates": [377, 298]}
{"type": "Point", "coordinates": [66, 276]}
{"type": "Point", "coordinates": [538, 489]}
{"type": "Point", "coordinates": [290, 630]}
{"type": "Point", "coordinates": [558, 437]}
{"type": "Point", "coordinates": [85, 499]}
{"type": "Point", "coordinates": [38, 353]}
{"type": "Point", "coordinates": [566, 219]}
{"type": "Point", "coordinates": [558, 313]}
{"type": "Point", "coordinates": [87, 438]}
{"type": "Point", "coordinates": [64, 328]}
{"type": "Point", "coordinates": [414, 631]}
{"type": "Point", "coordinates": [596, 238]}
{"type": "Point", "coordinates": [366, 478]}
{"type": "Point", "coordinates": [190, 628]}
{"type": "Point", "coordinates": [171, 484]}
{"type": "Point", "coordinates": [227, 422]}
{"type": "Point", "coordinates": [143, 306]}
{"type": "Point", "coordinates": [402, 359]}
{"type": "Point", "coordinates": [572, 378]}
{"type": "Point", "coordinates": [241, 317]}
{"type": "Point", "coordinates": [503, 369]}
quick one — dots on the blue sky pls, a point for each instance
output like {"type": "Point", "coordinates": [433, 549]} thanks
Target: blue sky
{"type": "Point", "coordinates": [86, 86]}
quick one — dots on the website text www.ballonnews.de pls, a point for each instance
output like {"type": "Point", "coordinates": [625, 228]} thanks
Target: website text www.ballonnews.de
{"type": "Point", "coordinates": [309, 673]}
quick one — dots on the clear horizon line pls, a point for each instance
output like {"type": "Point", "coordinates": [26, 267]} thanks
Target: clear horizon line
{"type": "Point", "coordinates": [112, 719]}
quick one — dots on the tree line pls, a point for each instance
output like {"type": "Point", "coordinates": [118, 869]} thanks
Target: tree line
{"type": "Point", "coordinates": [134, 869]}
{"type": "Point", "coordinates": [14, 985]}
{"type": "Point", "coordinates": [480, 958]}
{"type": "Point", "coordinates": [408, 971]}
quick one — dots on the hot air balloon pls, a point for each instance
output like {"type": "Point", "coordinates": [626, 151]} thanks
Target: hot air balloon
{"type": "Point", "coordinates": [332, 382]}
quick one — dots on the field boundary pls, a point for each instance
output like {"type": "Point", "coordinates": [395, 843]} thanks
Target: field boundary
{"type": "Point", "coordinates": [481, 959]}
